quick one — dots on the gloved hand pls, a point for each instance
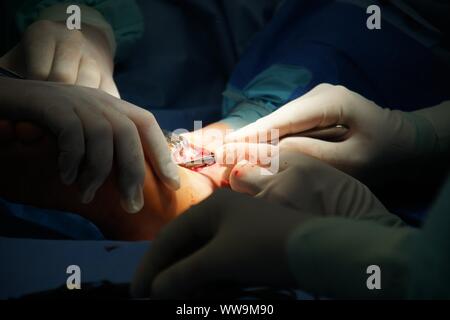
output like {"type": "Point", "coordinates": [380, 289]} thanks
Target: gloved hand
{"type": "Point", "coordinates": [92, 128]}
{"type": "Point", "coordinates": [376, 136]}
{"type": "Point", "coordinates": [351, 230]}
{"type": "Point", "coordinates": [237, 240]}
{"type": "Point", "coordinates": [333, 257]}
{"type": "Point", "coordinates": [50, 51]}
{"type": "Point", "coordinates": [229, 239]}
{"type": "Point", "coordinates": [307, 185]}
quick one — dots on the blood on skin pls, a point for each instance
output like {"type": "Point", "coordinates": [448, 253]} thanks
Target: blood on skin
{"type": "Point", "coordinates": [197, 169]}
{"type": "Point", "coordinates": [212, 170]}
{"type": "Point", "coordinates": [184, 155]}
{"type": "Point", "coordinates": [224, 183]}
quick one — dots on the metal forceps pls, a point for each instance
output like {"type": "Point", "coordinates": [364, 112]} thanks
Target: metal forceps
{"type": "Point", "coordinates": [187, 155]}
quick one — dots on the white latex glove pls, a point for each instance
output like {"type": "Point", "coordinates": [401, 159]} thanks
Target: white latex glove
{"type": "Point", "coordinates": [376, 136]}
{"type": "Point", "coordinates": [230, 239]}
{"type": "Point", "coordinates": [92, 128]}
{"type": "Point", "coordinates": [310, 186]}
{"type": "Point", "coordinates": [50, 51]}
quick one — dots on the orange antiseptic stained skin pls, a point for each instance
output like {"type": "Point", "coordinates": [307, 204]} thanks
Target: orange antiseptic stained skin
{"type": "Point", "coordinates": [29, 174]}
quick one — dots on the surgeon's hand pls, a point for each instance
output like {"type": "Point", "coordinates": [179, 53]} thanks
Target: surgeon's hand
{"type": "Point", "coordinates": [306, 184]}
{"type": "Point", "coordinates": [376, 136]}
{"type": "Point", "coordinates": [235, 240]}
{"type": "Point", "coordinates": [50, 51]}
{"type": "Point", "coordinates": [229, 239]}
{"type": "Point", "coordinates": [92, 129]}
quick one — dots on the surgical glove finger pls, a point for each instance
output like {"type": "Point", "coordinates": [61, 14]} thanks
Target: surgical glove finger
{"type": "Point", "coordinates": [65, 63]}
{"type": "Point", "coordinates": [88, 73]}
{"type": "Point", "coordinates": [154, 144]}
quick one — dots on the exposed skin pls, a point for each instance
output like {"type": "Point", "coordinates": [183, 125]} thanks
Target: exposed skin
{"type": "Point", "coordinates": [29, 171]}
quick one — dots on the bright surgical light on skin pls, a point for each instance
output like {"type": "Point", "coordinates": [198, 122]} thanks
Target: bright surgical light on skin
{"type": "Point", "coordinates": [188, 153]}
{"type": "Point", "coordinates": [190, 156]}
